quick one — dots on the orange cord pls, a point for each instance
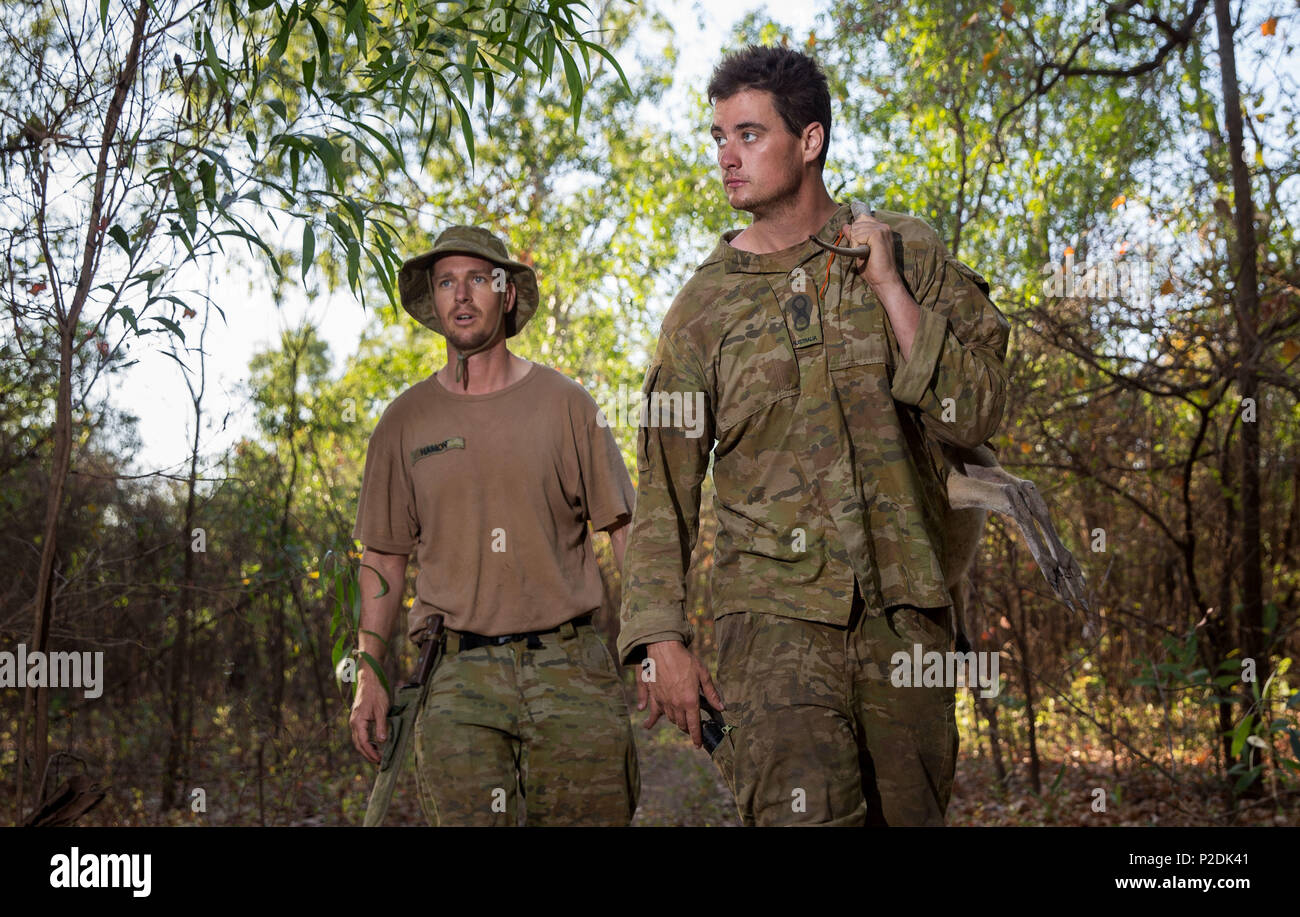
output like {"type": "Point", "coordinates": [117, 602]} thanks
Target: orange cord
{"type": "Point", "coordinates": [821, 294]}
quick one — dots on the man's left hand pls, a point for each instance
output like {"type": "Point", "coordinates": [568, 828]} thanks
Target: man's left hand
{"type": "Point", "coordinates": [878, 267]}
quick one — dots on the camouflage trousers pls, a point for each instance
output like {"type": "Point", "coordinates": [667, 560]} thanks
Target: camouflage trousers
{"type": "Point", "coordinates": [538, 732]}
{"type": "Point", "coordinates": [821, 736]}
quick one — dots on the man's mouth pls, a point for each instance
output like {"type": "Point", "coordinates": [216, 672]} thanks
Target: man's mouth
{"type": "Point", "coordinates": [733, 182]}
{"type": "Point", "coordinates": [464, 318]}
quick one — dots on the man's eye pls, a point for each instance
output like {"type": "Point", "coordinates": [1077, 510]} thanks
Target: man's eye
{"type": "Point", "coordinates": [749, 136]}
{"type": "Point", "coordinates": [479, 278]}
{"type": "Point", "coordinates": [719, 140]}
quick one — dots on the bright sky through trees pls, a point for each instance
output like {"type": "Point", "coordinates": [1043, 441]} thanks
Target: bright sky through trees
{"type": "Point", "coordinates": [151, 389]}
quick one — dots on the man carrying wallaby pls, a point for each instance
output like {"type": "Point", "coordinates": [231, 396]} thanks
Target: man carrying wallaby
{"type": "Point", "coordinates": [490, 471]}
{"type": "Point", "coordinates": [825, 374]}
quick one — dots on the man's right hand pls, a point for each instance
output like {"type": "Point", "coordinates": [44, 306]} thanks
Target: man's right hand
{"type": "Point", "coordinates": [679, 679]}
{"type": "Point", "coordinates": [369, 713]}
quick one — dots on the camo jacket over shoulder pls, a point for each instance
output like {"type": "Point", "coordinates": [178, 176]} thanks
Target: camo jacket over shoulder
{"type": "Point", "coordinates": [822, 467]}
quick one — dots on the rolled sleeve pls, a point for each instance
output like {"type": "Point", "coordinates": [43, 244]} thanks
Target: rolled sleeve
{"type": "Point", "coordinates": [955, 375]}
{"type": "Point", "coordinates": [916, 373]}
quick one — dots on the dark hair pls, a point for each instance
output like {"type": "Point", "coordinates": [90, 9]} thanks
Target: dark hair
{"type": "Point", "coordinates": [797, 84]}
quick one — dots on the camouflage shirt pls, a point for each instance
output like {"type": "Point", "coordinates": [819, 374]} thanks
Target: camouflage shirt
{"type": "Point", "coordinates": [822, 468]}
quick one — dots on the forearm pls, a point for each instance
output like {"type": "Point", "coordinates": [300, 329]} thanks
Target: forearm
{"type": "Point", "coordinates": [379, 606]}
{"type": "Point", "coordinates": [654, 583]}
{"type": "Point", "coordinates": [904, 315]}
{"type": "Point", "coordinates": [618, 541]}
{"type": "Point", "coordinates": [660, 541]}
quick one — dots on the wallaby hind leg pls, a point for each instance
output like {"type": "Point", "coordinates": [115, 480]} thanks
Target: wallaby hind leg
{"type": "Point", "coordinates": [963, 531]}
{"type": "Point", "coordinates": [960, 599]}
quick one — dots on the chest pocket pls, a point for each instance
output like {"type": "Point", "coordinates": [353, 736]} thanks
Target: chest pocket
{"type": "Point", "coordinates": [858, 331]}
{"type": "Point", "coordinates": [756, 367]}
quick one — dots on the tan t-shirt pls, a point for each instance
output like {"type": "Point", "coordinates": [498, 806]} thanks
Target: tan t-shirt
{"type": "Point", "coordinates": [493, 493]}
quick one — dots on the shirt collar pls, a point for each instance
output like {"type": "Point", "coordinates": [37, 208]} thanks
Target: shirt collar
{"type": "Point", "coordinates": [780, 262]}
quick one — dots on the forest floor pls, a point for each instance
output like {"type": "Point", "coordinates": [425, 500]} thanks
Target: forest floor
{"type": "Point", "coordinates": [680, 786]}
{"type": "Point", "coordinates": [311, 776]}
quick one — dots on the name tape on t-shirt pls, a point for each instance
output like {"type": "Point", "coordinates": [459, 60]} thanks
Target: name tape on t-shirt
{"type": "Point", "coordinates": [455, 442]}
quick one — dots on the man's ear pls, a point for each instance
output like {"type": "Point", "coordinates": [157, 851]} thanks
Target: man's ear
{"type": "Point", "coordinates": [511, 294]}
{"type": "Point", "coordinates": [814, 138]}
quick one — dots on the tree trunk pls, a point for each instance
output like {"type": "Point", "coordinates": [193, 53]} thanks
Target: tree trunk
{"type": "Point", "coordinates": [43, 604]}
{"type": "Point", "coordinates": [1018, 633]}
{"type": "Point", "coordinates": [180, 739]}
{"type": "Point", "coordinates": [1245, 274]}
{"type": "Point", "coordinates": [278, 660]}
{"type": "Point", "coordinates": [990, 714]}
{"type": "Point", "coordinates": [1218, 630]}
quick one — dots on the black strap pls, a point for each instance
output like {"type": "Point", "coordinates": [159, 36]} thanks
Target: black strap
{"type": "Point", "coordinates": [470, 641]}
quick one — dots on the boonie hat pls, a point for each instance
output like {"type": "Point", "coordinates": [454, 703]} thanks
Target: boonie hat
{"type": "Point", "coordinates": [415, 286]}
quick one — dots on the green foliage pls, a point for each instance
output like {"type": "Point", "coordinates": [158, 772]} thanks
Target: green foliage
{"type": "Point", "coordinates": [234, 120]}
{"type": "Point", "coordinates": [345, 619]}
{"type": "Point", "coordinates": [1181, 678]}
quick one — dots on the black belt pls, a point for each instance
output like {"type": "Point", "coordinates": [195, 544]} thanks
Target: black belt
{"type": "Point", "coordinates": [471, 641]}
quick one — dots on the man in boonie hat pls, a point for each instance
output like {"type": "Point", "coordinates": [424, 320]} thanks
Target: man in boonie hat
{"type": "Point", "coordinates": [466, 334]}
{"type": "Point", "coordinates": [490, 471]}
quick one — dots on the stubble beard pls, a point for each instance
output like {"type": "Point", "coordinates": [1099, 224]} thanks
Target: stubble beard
{"type": "Point", "coordinates": [774, 202]}
{"type": "Point", "coordinates": [463, 340]}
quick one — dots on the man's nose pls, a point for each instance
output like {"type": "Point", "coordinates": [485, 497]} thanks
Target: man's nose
{"type": "Point", "coordinates": [728, 157]}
